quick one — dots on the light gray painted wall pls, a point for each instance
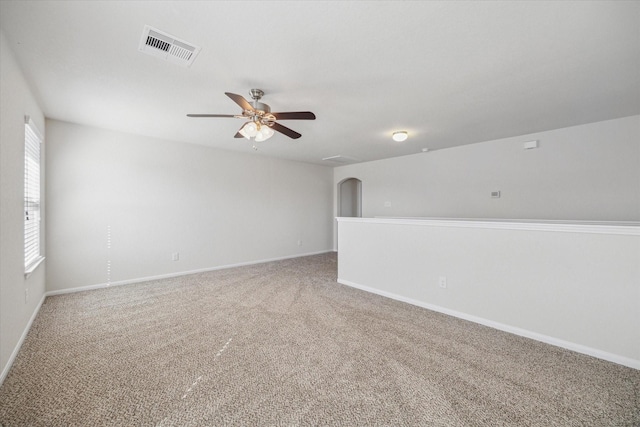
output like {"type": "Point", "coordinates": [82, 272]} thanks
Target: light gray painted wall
{"type": "Point", "coordinates": [588, 172]}
{"type": "Point", "coordinates": [578, 286]}
{"type": "Point", "coordinates": [153, 197]}
{"type": "Point", "coordinates": [16, 101]}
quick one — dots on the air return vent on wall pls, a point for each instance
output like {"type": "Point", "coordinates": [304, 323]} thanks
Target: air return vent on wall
{"type": "Point", "coordinates": [162, 45]}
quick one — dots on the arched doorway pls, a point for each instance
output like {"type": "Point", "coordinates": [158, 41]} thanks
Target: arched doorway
{"type": "Point", "coordinates": [350, 198]}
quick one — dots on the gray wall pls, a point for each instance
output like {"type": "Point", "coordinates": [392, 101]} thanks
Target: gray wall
{"type": "Point", "coordinates": [120, 205]}
{"type": "Point", "coordinates": [588, 172]}
{"type": "Point", "coordinates": [16, 101]}
{"type": "Point", "coordinates": [578, 288]}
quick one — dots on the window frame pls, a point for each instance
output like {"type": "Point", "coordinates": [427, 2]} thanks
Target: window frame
{"type": "Point", "coordinates": [32, 200]}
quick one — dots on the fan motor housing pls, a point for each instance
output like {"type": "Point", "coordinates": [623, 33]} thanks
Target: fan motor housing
{"type": "Point", "coordinates": [261, 107]}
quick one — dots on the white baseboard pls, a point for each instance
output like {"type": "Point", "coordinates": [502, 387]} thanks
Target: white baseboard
{"type": "Point", "coordinates": [177, 274]}
{"type": "Point", "coordinates": [7, 367]}
{"type": "Point", "coordinates": [589, 351]}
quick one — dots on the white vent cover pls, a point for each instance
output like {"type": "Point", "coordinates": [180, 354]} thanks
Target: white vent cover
{"type": "Point", "coordinates": [162, 45]}
{"type": "Point", "coordinates": [341, 159]}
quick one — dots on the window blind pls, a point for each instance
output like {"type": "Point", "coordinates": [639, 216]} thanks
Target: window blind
{"type": "Point", "coordinates": [32, 142]}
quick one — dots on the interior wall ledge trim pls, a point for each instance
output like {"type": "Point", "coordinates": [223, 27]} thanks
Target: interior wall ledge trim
{"type": "Point", "coordinates": [624, 228]}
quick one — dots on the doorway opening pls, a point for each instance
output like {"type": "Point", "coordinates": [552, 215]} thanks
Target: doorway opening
{"type": "Point", "coordinates": [350, 198]}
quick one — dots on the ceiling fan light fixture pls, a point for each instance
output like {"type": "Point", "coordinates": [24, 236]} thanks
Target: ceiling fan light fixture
{"type": "Point", "coordinates": [249, 130]}
{"type": "Point", "coordinates": [400, 135]}
{"type": "Point", "coordinates": [261, 124]}
{"type": "Point", "coordinates": [260, 137]}
{"type": "Point", "coordinates": [264, 133]}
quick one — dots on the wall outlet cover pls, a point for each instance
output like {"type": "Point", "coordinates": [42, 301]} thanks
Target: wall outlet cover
{"type": "Point", "coordinates": [442, 281]}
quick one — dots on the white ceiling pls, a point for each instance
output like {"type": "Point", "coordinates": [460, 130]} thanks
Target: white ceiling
{"type": "Point", "coordinates": [450, 73]}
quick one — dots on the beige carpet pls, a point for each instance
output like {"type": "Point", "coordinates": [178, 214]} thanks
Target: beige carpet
{"type": "Point", "coordinates": [283, 344]}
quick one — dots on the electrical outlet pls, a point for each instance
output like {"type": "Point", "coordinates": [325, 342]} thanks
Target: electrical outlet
{"type": "Point", "coordinates": [26, 296]}
{"type": "Point", "coordinates": [299, 242]}
{"type": "Point", "coordinates": [175, 256]}
{"type": "Point", "coordinates": [442, 282]}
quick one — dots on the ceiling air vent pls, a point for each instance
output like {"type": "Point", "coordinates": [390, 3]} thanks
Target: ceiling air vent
{"type": "Point", "coordinates": [341, 159]}
{"type": "Point", "coordinates": [162, 45]}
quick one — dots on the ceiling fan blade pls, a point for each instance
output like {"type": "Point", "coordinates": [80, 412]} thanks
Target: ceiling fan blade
{"type": "Point", "coordinates": [285, 130]}
{"type": "Point", "coordinates": [295, 115]}
{"type": "Point", "coordinates": [210, 115]}
{"type": "Point", "coordinates": [238, 134]}
{"type": "Point", "coordinates": [238, 99]}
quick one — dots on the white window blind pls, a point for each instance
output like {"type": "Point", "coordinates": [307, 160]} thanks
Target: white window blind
{"type": "Point", "coordinates": [32, 142]}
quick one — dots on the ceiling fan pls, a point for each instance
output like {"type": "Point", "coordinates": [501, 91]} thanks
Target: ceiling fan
{"type": "Point", "coordinates": [261, 122]}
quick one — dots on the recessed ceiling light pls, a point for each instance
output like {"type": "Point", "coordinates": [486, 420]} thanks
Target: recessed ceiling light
{"type": "Point", "coordinates": [400, 135]}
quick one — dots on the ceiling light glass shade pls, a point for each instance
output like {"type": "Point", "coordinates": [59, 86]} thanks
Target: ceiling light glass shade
{"type": "Point", "coordinates": [400, 136]}
{"type": "Point", "coordinates": [249, 130]}
{"type": "Point", "coordinates": [264, 133]}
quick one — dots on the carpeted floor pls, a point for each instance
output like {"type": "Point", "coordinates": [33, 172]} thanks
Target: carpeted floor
{"type": "Point", "coordinates": [283, 344]}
